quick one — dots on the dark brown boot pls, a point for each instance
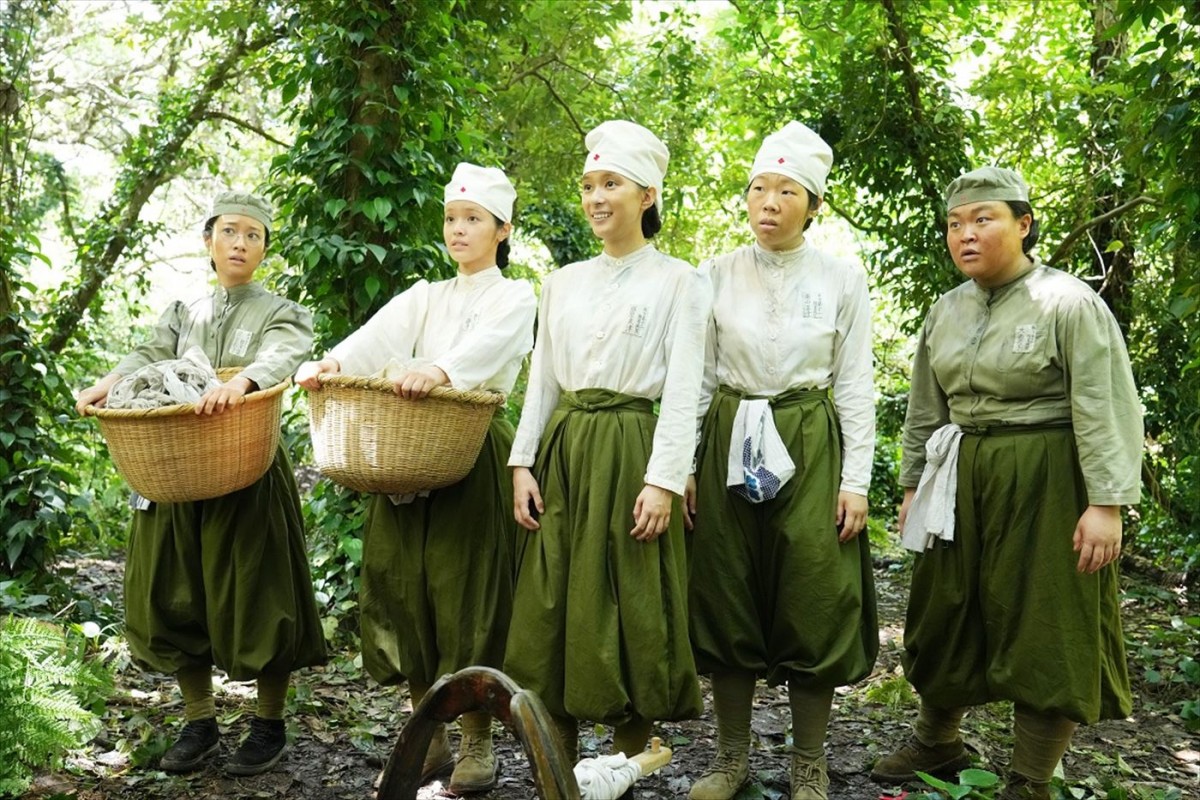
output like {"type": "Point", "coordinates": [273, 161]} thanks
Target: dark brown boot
{"type": "Point", "coordinates": [915, 756]}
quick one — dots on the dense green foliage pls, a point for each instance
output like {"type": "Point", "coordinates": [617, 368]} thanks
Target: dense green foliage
{"type": "Point", "coordinates": [350, 115]}
{"type": "Point", "coordinates": [360, 188]}
{"type": "Point", "coordinates": [34, 508]}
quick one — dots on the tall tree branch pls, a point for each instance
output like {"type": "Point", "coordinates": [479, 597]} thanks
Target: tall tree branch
{"type": "Point", "coordinates": [1069, 241]}
{"type": "Point", "coordinates": [877, 230]}
{"type": "Point", "coordinates": [114, 225]}
{"type": "Point", "coordinates": [912, 84]}
{"type": "Point", "coordinates": [241, 123]}
{"type": "Point", "coordinates": [563, 103]}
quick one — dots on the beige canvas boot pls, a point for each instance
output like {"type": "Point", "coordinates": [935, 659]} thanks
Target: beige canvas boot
{"type": "Point", "coordinates": [438, 759]}
{"type": "Point", "coordinates": [728, 773]}
{"type": "Point", "coordinates": [810, 778]}
{"type": "Point", "coordinates": [476, 768]}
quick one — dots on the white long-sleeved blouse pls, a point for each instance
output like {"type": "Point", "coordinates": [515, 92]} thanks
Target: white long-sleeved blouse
{"type": "Point", "coordinates": [633, 325]}
{"type": "Point", "coordinates": [800, 318]}
{"type": "Point", "coordinates": [476, 328]}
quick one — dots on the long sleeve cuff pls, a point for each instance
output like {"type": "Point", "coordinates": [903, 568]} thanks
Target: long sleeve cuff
{"type": "Point", "coordinates": [662, 482]}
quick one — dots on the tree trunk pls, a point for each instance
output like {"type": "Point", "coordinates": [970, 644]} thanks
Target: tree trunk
{"type": "Point", "coordinates": [1108, 192]}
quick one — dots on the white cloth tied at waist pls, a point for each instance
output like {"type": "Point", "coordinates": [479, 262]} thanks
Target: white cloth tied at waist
{"type": "Point", "coordinates": [759, 464]}
{"type": "Point", "coordinates": [606, 777]}
{"type": "Point", "coordinates": [165, 383]}
{"type": "Point", "coordinates": [931, 513]}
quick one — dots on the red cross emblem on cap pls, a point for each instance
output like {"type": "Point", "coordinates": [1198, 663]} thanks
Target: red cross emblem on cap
{"type": "Point", "coordinates": [781, 159]}
{"type": "Point", "coordinates": [596, 157]}
{"type": "Point", "coordinates": [462, 189]}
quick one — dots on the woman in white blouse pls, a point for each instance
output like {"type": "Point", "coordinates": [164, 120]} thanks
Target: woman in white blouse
{"type": "Point", "coordinates": [781, 583]}
{"type": "Point", "coordinates": [600, 614]}
{"type": "Point", "coordinates": [438, 570]}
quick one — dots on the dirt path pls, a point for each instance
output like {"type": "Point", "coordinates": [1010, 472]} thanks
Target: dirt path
{"type": "Point", "coordinates": [342, 727]}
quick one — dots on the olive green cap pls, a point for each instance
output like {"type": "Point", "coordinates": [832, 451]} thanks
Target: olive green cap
{"type": "Point", "coordinates": [244, 203]}
{"type": "Point", "coordinates": [986, 183]}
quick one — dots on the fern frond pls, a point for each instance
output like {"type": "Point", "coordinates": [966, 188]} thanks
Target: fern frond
{"type": "Point", "coordinates": [41, 683]}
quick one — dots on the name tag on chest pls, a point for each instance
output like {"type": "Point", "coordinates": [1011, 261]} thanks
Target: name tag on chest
{"type": "Point", "coordinates": [635, 324]}
{"type": "Point", "coordinates": [1024, 338]}
{"type": "Point", "coordinates": [240, 342]}
{"type": "Point", "coordinates": [811, 305]}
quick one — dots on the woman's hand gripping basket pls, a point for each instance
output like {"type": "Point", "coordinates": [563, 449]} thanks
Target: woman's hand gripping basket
{"type": "Point", "coordinates": [367, 438]}
{"type": "Point", "coordinates": [172, 454]}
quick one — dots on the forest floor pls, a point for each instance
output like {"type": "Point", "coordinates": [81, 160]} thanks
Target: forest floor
{"type": "Point", "coordinates": [342, 727]}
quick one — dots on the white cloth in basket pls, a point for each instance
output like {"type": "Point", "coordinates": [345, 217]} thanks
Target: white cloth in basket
{"type": "Point", "coordinates": [165, 383]}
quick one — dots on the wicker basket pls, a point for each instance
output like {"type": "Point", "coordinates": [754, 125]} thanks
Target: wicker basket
{"type": "Point", "coordinates": [368, 439]}
{"type": "Point", "coordinates": [172, 455]}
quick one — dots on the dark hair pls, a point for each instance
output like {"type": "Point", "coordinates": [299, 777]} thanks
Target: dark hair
{"type": "Point", "coordinates": [651, 221]}
{"type": "Point", "coordinates": [208, 233]}
{"type": "Point", "coordinates": [1019, 209]}
{"type": "Point", "coordinates": [502, 248]}
{"type": "Point", "coordinates": [814, 203]}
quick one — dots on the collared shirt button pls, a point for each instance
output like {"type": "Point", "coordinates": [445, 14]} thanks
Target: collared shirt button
{"type": "Point", "coordinates": [770, 370]}
{"type": "Point", "coordinates": [614, 286]}
{"type": "Point", "coordinates": [600, 334]}
{"type": "Point", "coordinates": [774, 337]}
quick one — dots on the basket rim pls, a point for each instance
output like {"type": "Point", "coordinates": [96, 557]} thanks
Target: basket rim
{"type": "Point", "coordinates": [188, 408]}
{"type": "Point", "coordinates": [481, 397]}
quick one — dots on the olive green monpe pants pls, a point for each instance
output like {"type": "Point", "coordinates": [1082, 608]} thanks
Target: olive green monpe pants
{"type": "Point", "coordinates": [772, 590]}
{"type": "Point", "coordinates": [224, 582]}
{"type": "Point", "coordinates": [437, 573]}
{"type": "Point", "coordinates": [600, 619]}
{"type": "Point", "coordinates": [1000, 613]}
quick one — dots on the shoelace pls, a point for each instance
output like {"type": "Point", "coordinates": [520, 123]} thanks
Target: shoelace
{"type": "Point", "coordinates": [195, 730]}
{"type": "Point", "coordinates": [809, 772]}
{"type": "Point", "coordinates": [726, 764]}
{"type": "Point", "coordinates": [260, 735]}
{"type": "Point", "coordinates": [473, 747]}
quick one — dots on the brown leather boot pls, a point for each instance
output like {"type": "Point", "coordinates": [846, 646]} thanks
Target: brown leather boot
{"type": "Point", "coordinates": [938, 759]}
{"type": "Point", "coordinates": [1021, 788]}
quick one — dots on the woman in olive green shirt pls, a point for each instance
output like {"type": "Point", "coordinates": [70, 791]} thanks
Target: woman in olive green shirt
{"type": "Point", "coordinates": [1023, 394]}
{"type": "Point", "coordinates": [225, 582]}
